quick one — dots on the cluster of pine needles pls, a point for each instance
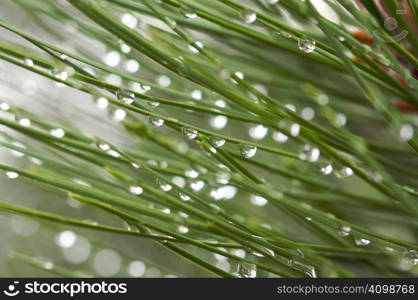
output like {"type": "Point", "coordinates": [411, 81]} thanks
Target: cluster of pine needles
{"type": "Point", "coordinates": [257, 138]}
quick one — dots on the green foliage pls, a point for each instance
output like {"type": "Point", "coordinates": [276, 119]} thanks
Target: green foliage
{"type": "Point", "coordinates": [276, 135]}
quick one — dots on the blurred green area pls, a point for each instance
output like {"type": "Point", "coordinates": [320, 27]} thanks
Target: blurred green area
{"type": "Point", "coordinates": [103, 254]}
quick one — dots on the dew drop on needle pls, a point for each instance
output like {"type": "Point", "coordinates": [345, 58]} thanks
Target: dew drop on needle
{"type": "Point", "coordinates": [156, 122]}
{"type": "Point", "coordinates": [189, 133]}
{"type": "Point", "coordinates": [248, 151]}
{"type": "Point", "coordinates": [125, 96]}
{"type": "Point", "coordinates": [247, 270]}
{"type": "Point", "coordinates": [248, 16]}
{"type": "Point", "coordinates": [188, 13]}
{"type": "Point", "coordinates": [216, 142]}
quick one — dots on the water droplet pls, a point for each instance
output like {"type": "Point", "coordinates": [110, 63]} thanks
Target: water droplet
{"type": "Point", "coordinates": [156, 122]}
{"type": "Point", "coordinates": [280, 137]}
{"type": "Point", "coordinates": [308, 113]}
{"type": "Point", "coordinates": [258, 254]}
{"type": "Point", "coordinates": [25, 122]}
{"type": "Point", "coordinates": [215, 208]}
{"type": "Point", "coordinates": [258, 132]}
{"type": "Point", "coordinates": [218, 122]}
{"type": "Point", "coordinates": [290, 107]}
{"type": "Point", "coordinates": [183, 215]}
{"type": "Point", "coordinates": [102, 103]}
{"type": "Point", "coordinates": [248, 151]}
{"type": "Point", "coordinates": [135, 165]}
{"type": "Point", "coordinates": [307, 45]}
{"type": "Point", "coordinates": [129, 20]}
{"type": "Point", "coordinates": [132, 66]}
{"type": "Point", "coordinates": [325, 168]}
{"type": "Point", "coordinates": [183, 229]}
{"type": "Point", "coordinates": [375, 176]}
{"type": "Point", "coordinates": [196, 94]}
{"type": "Point", "coordinates": [410, 257]}
{"type": "Point", "coordinates": [164, 186]}
{"type": "Point", "coordinates": [388, 249]}
{"type": "Point", "coordinates": [258, 200]}
{"type": "Point", "coordinates": [361, 242]}
{"type": "Point", "coordinates": [216, 142]}
{"type": "Point", "coordinates": [191, 173]}
{"type": "Point", "coordinates": [113, 153]}
{"type": "Point", "coordinates": [48, 265]}
{"type": "Point", "coordinates": [309, 153]}
{"type": "Point", "coordinates": [239, 252]}
{"type": "Point", "coordinates": [124, 48]}
{"type": "Point", "coordinates": [340, 120]}
{"type": "Point", "coordinates": [409, 189]}
{"type": "Point", "coordinates": [330, 215]}
{"type": "Point", "coordinates": [61, 75]}
{"type": "Point", "coordinates": [139, 88]}
{"type": "Point", "coordinates": [81, 182]}
{"type": "Point", "coordinates": [166, 210]}
{"type": "Point", "coordinates": [152, 162]}
{"type": "Point", "coordinates": [343, 172]}
{"type": "Point", "coordinates": [294, 129]}
{"type": "Point", "coordinates": [220, 103]}
{"type": "Point", "coordinates": [113, 79]}
{"type": "Point", "coordinates": [36, 161]}
{"type": "Point", "coordinates": [4, 106]}
{"type": "Point", "coordinates": [136, 190]}
{"type": "Point", "coordinates": [164, 80]}
{"type": "Point", "coordinates": [119, 115]}
{"type": "Point", "coordinates": [58, 132]}
{"type": "Point", "coordinates": [323, 99]}
{"type": "Point", "coordinates": [103, 146]}
{"type": "Point", "coordinates": [28, 62]}
{"type": "Point", "coordinates": [66, 239]}
{"type": "Point", "coordinates": [188, 13]}
{"type": "Point", "coordinates": [16, 153]}
{"type": "Point", "coordinates": [197, 185]}
{"type": "Point", "coordinates": [184, 197]}
{"type": "Point", "coordinates": [112, 58]}
{"type": "Point", "coordinates": [179, 181]}
{"type": "Point", "coordinates": [12, 175]}
{"type": "Point", "coordinates": [247, 270]}
{"type": "Point", "coordinates": [152, 104]}
{"type": "Point", "coordinates": [248, 16]}
{"type": "Point", "coordinates": [189, 133]}
{"type": "Point", "coordinates": [195, 47]}
{"type": "Point", "coordinates": [125, 96]}
{"type": "Point", "coordinates": [238, 74]}
{"type": "Point", "coordinates": [344, 230]}
{"type": "Point", "coordinates": [406, 133]}
{"type": "Point", "coordinates": [308, 270]}
{"type": "Point", "coordinates": [220, 257]}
